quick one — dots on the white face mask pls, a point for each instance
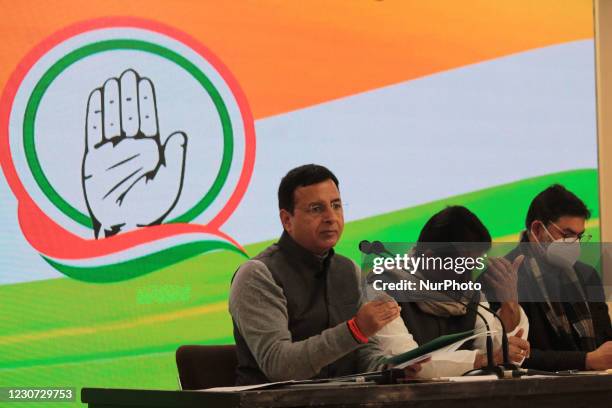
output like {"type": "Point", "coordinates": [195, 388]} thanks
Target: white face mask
{"type": "Point", "coordinates": [562, 252]}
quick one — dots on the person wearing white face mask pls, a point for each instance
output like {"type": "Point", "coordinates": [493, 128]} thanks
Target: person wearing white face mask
{"type": "Point", "coordinates": [562, 297]}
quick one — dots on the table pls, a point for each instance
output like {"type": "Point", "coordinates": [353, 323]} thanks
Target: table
{"type": "Point", "coordinates": [575, 392]}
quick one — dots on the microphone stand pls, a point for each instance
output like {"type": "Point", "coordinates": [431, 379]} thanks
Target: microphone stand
{"type": "Point", "coordinates": [505, 352]}
{"type": "Point", "coordinates": [490, 368]}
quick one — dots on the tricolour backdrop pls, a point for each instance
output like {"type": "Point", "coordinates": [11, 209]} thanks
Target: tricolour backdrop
{"type": "Point", "coordinates": [116, 115]}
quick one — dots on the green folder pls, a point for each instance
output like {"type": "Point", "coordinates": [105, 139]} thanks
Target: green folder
{"type": "Point", "coordinates": [434, 345]}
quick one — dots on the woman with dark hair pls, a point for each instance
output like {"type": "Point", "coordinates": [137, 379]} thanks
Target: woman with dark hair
{"type": "Point", "coordinates": [455, 234]}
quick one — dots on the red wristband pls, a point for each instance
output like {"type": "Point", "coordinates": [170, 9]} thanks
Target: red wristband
{"type": "Point", "coordinates": [356, 332]}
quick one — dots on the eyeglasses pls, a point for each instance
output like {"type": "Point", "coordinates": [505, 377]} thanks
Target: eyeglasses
{"type": "Point", "coordinates": [318, 209]}
{"type": "Point", "coordinates": [573, 237]}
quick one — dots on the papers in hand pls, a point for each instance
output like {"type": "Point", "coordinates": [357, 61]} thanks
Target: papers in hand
{"type": "Point", "coordinates": [440, 345]}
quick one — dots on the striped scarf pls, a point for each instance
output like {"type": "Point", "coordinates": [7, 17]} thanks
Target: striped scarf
{"type": "Point", "coordinates": [575, 314]}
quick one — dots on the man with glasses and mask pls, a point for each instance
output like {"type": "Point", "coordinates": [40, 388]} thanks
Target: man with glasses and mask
{"type": "Point", "coordinates": [296, 307]}
{"type": "Point", "coordinates": [562, 297]}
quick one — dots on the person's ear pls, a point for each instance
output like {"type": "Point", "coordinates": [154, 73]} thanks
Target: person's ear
{"type": "Point", "coordinates": [286, 218]}
{"type": "Point", "coordinates": [536, 228]}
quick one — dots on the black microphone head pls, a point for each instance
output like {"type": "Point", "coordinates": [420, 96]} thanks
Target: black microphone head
{"type": "Point", "coordinates": [365, 246]}
{"type": "Point", "coordinates": [377, 247]}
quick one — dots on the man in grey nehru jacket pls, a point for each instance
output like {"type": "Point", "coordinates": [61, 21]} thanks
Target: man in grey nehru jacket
{"type": "Point", "coordinates": [296, 307]}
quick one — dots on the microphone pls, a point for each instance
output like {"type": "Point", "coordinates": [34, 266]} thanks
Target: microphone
{"type": "Point", "coordinates": [378, 248]}
{"type": "Point", "coordinates": [365, 246]}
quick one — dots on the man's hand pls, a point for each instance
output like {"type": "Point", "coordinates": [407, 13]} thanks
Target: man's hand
{"type": "Point", "coordinates": [518, 350]}
{"type": "Point", "coordinates": [502, 276]}
{"type": "Point", "coordinates": [600, 359]}
{"type": "Point", "coordinates": [130, 177]}
{"type": "Point", "coordinates": [374, 315]}
{"type": "Point", "coordinates": [412, 370]}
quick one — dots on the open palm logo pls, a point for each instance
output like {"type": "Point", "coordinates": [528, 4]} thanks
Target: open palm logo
{"type": "Point", "coordinates": [131, 176]}
{"type": "Point", "coordinates": [128, 144]}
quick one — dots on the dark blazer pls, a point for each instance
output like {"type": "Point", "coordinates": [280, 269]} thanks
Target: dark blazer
{"type": "Point", "coordinates": [549, 351]}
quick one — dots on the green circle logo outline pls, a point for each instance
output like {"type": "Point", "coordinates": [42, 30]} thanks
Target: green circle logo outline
{"type": "Point", "coordinates": [111, 45]}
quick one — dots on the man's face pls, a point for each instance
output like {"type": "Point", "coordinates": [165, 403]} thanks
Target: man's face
{"type": "Point", "coordinates": [564, 227]}
{"type": "Point", "coordinates": [317, 220]}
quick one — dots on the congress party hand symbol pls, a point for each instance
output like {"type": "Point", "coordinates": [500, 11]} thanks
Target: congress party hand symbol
{"type": "Point", "coordinates": [130, 177]}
